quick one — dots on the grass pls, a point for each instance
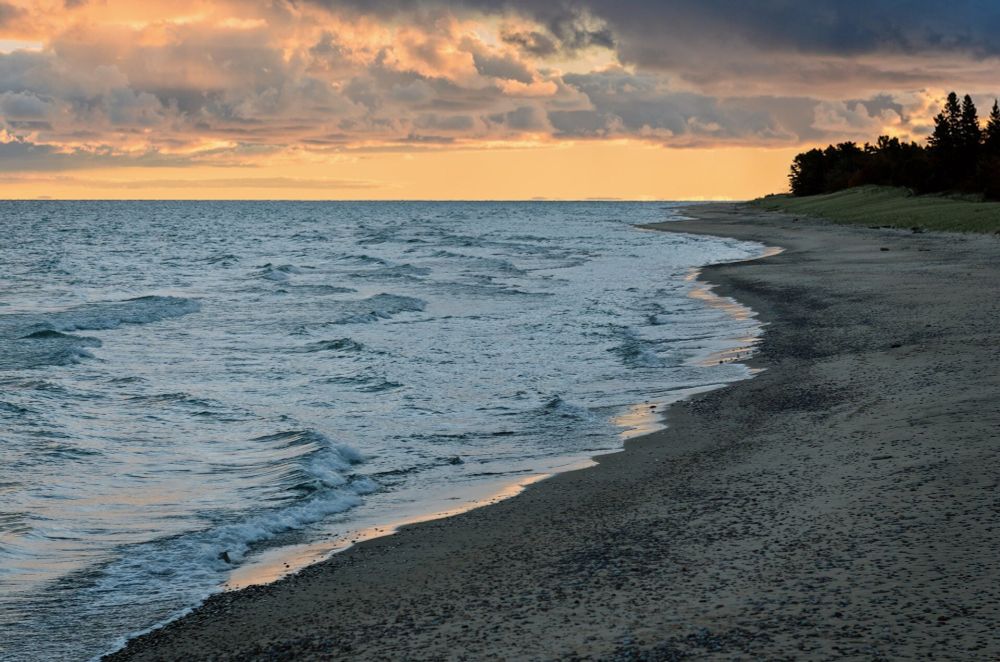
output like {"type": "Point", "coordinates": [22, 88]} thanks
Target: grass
{"type": "Point", "coordinates": [893, 207]}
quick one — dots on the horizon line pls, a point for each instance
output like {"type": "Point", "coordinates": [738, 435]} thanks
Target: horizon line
{"type": "Point", "coordinates": [386, 200]}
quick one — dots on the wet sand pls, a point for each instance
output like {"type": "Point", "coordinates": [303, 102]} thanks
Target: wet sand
{"type": "Point", "coordinates": [843, 503]}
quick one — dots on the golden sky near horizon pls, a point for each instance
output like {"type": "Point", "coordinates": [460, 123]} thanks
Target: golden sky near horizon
{"type": "Point", "coordinates": [328, 99]}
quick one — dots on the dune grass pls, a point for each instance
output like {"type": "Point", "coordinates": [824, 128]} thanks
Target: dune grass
{"type": "Point", "coordinates": [894, 207]}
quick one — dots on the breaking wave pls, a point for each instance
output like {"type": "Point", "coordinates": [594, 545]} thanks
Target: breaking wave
{"type": "Point", "coordinates": [32, 340]}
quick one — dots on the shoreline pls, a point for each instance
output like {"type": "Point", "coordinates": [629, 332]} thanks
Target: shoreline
{"type": "Point", "coordinates": [637, 420]}
{"type": "Point", "coordinates": [669, 546]}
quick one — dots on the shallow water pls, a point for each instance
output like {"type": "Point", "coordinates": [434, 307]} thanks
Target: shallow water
{"type": "Point", "coordinates": [190, 391]}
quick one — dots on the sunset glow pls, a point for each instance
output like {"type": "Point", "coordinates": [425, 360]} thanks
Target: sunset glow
{"type": "Point", "coordinates": [437, 100]}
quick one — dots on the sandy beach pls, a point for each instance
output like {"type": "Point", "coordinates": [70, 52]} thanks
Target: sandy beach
{"type": "Point", "coordinates": [843, 503]}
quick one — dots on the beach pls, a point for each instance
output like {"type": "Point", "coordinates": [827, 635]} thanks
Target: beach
{"type": "Point", "coordinates": [842, 503]}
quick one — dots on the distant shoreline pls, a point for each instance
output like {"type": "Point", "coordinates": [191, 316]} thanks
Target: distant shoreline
{"type": "Point", "coordinates": [834, 505]}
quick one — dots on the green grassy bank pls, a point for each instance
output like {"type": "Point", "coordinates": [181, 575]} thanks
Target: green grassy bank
{"type": "Point", "coordinates": [882, 206]}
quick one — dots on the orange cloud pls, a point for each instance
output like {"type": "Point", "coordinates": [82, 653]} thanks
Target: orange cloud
{"type": "Point", "coordinates": [263, 87]}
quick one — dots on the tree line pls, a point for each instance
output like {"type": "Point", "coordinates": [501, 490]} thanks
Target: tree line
{"type": "Point", "coordinates": [960, 155]}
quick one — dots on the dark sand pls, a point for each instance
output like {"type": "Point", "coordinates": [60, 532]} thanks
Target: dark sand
{"type": "Point", "coordinates": [844, 503]}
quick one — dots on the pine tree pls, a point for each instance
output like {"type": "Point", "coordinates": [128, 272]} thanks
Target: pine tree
{"type": "Point", "coordinates": [989, 161]}
{"type": "Point", "coordinates": [954, 111]}
{"type": "Point", "coordinates": [970, 134]}
{"type": "Point", "coordinates": [991, 138]}
{"type": "Point", "coordinates": [945, 144]}
{"type": "Point", "coordinates": [944, 140]}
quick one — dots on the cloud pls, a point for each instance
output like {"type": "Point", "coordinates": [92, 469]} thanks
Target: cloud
{"type": "Point", "coordinates": [20, 155]}
{"type": "Point", "coordinates": [238, 183]}
{"type": "Point", "coordinates": [244, 82]}
{"type": "Point", "coordinates": [525, 118]}
{"type": "Point", "coordinates": [626, 104]}
{"type": "Point", "coordinates": [24, 106]}
{"type": "Point", "coordinates": [501, 66]}
{"type": "Point", "coordinates": [10, 13]}
{"type": "Point", "coordinates": [839, 27]}
{"type": "Point", "coordinates": [723, 41]}
{"type": "Point", "coordinates": [531, 42]}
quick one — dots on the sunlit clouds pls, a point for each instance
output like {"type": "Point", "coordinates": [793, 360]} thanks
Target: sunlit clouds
{"type": "Point", "coordinates": [305, 95]}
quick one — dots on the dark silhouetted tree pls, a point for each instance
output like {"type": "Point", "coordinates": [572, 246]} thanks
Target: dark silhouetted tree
{"type": "Point", "coordinates": [891, 162]}
{"type": "Point", "coordinates": [970, 138]}
{"type": "Point", "coordinates": [960, 155]}
{"type": "Point", "coordinates": [947, 125]}
{"type": "Point", "coordinates": [808, 173]}
{"type": "Point", "coordinates": [845, 161]}
{"type": "Point", "coordinates": [945, 144]}
{"type": "Point", "coordinates": [988, 171]}
{"type": "Point", "coordinates": [969, 129]}
{"type": "Point", "coordinates": [991, 137]}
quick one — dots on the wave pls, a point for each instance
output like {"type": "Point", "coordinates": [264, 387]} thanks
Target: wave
{"type": "Point", "coordinates": [477, 263]}
{"type": "Point", "coordinates": [440, 437]}
{"type": "Point", "coordinates": [184, 568]}
{"type": "Point", "coordinates": [376, 236]}
{"type": "Point", "coordinates": [31, 340]}
{"type": "Point", "coordinates": [179, 398]}
{"type": "Point", "coordinates": [28, 354]}
{"type": "Point", "coordinates": [225, 259]}
{"type": "Point", "coordinates": [111, 315]}
{"type": "Point", "coordinates": [312, 461]}
{"type": "Point", "coordinates": [362, 258]}
{"type": "Point", "coordinates": [484, 286]}
{"type": "Point", "coordinates": [364, 383]}
{"type": "Point", "coordinates": [67, 452]}
{"type": "Point", "coordinates": [14, 410]}
{"type": "Point", "coordinates": [316, 477]}
{"type": "Point", "coordinates": [278, 273]}
{"type": "Point", "coordinates": [378, 307]}
{"type": "Point", "coordinates": [380, 386]}
{"type": "Point", "coordinates": [322, 290]}
{"type": "Point", "coordinates": [49, 334]}
{"type": "Point", "coordinates": [335, 345]}
{"type": "Point", "coordinates": [59, 340]}
{"type": "Point", "coordinates": [636, 352]}
{"type": "Point", "coordinates": [396, 272]}
{"type": "Point", "coordinates": [556, 406]}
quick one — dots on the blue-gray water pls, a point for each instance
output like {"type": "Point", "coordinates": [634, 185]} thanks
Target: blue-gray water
{"type": "Point", "coordinates": [179, 380]}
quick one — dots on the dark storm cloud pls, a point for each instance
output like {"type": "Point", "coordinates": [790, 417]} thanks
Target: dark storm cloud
{"type": "Point", "coordinates": [634, 104]}
{"type": "Point", "coordinates": [842, 27]}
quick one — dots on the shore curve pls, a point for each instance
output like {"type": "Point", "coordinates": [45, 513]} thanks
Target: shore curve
{"type": "Point", "coordinates": [842, 503]}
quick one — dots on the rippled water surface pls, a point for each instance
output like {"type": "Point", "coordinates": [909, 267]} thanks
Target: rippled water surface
{"type": "Point", "coordinates": [186, 388]}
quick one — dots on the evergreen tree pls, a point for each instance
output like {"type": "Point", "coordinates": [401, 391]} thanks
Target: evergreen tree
{"type": "Point", "coordinates": [947, 125]}
{"type": "Point", "coordinates": [953, 109]}
{"type": "Point", "coordinates": [991, 137]}
{"type": "Point", "coordinates": [989, 161]}
{"type": "Point", "coordinates": [946, 145]}
{"type": "Point", "coordinates": [960, 155]}
{"type": "Point", "coordinates": [970, 134]}
{"type": "Point", "coordinates": [808, 173]}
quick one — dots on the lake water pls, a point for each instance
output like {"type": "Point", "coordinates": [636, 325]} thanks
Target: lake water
{"type": "Point", "coordinates": [200, 393]}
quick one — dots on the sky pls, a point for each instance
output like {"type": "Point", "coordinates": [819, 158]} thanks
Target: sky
{"type": "Point", "coordinates": [465, 99]}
